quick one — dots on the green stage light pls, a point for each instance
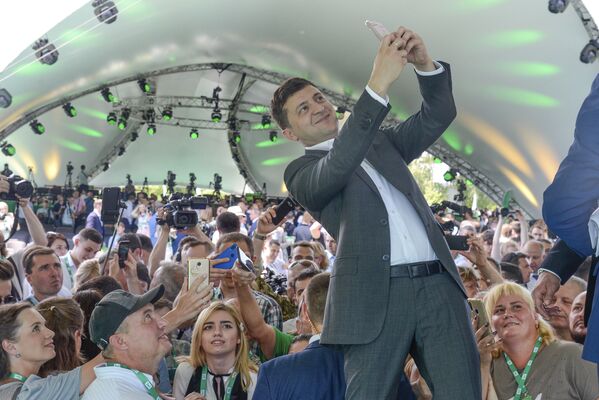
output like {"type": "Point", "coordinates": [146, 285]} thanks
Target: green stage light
{"type": "Point", "coordinates": [144, 86]}
{"type": "Point", "coordinates": [8, 149]}
{"type": "Point", "coordinates": [122, 124]}
{"type": "Point", "coordinates": [236, 137]}
{"type": "Point", "coordinates": [216, 116]}
{"type": "Point", "coordinates": [266, 121]}
{"type": "Point", "coordinates": [107, 95]}
{"type": "Point", "coordinates": [194, 134]}
{"type": "Point", "coordinates": [37, 127]}
{"type": "Point", "coordinates": [273, 136]}
{"type": "Point", "coordinates": [151, 130]}
{"type": "Point", "coordinates": [111, 118]}
{"type": "Point", "coordinates": [167, 114]}
{"type": "Point", "coordinates": [69, 110]}
{"type": "Point", "coordinates": [450, 175]}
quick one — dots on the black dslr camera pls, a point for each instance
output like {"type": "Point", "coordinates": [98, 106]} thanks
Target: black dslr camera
{"type": "Point", "coordinates": [180, 211]}
{"type": "Point", "coordinates": [18, 186]}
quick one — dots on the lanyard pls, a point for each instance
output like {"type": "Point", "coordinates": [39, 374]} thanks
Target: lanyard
{"type": "Point", "coordinates": [18, 377]}
{"type": "Point", "coordinates": [140, 375]}
{"type": "Point", "coordinates": [521, 379]}
{"type": "Point", "coordinates": [228, 390]}
{"type": "Point", "coordinates": [68, 265]}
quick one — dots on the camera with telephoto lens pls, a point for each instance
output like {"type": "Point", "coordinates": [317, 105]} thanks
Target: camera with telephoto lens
{"type": "Point", "coordinates": [18, 187]}
{"type": "Point", "coordinates": [180, 211]}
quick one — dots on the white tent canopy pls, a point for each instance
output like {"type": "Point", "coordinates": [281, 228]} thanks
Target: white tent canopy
{"type": "Point", "coordinates": [517, 80]}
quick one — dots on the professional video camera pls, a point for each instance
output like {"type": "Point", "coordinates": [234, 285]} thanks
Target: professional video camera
{"type": "Point", "coordinates": [180, 211]}
{"type": "Point", "coordinates": [278, 283]}
{"type": "Point", "coordinates": [18, 186]}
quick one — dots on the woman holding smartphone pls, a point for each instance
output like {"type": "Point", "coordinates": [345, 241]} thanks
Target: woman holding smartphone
{"type": "Point", "coordinates": [219, 367]}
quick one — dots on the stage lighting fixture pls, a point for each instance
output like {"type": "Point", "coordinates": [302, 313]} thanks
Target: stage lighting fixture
{"type": "Point", "coordinates": [236, 137]}
{"type": "Point", "coordinates": [215, 93]}
{"type": "Point", "coordinates": [121, 151]}
{"type": "Point", "coordinates": [588, 55]}
{"type": "Point", "coordinates": [273, 136]}
{"type": "Point", "coordinates": [123, 120]}
{"type": "Point", "coordinates": [144, 86]}
{"type": "Point", "coordinates": [558, 6]}
{"type": "Point", "coordinates": [69, 110]}
{"type": "Point", "coordinates": [111, 118]}
{"type": "Point", "coordinates": [150, 115]}
{"type": "Point", "coordinates": [105, 11]}
{"type": "Point", "coordinates": [216, 116]}
{"type": "Point", "coordinates": [266, 121]}
{"type": "Point", "coordinates": [134, 136]}
{"type": "Point", "coordinates": [106, 166]}
{"type": "Point", "coordinates": [194, 134]}
{"type": "Point", "coordinates": [450, 175]}
{"type": "Point", "coordinates": [45, 52]}
{"type": "Point", "coordinates": [340, 112]}
{"type": "Point", "coordinates": [151, 129]}
{"type": "Point", "coordinates": [5, 98]}
{"type": "Point", "coordinates": [107, 95]}
{"type": "Point", "coordinates": [8, 149]}
{"type": "Point", "coordinates": [167, 114]}
{"type": "Point", "coordinates": [37, 127]}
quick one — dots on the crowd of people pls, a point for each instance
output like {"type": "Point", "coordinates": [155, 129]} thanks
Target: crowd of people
{"type": "Point", "coordinates": [304, 318]}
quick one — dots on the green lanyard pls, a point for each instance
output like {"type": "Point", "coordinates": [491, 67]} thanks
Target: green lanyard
{"type": "Point", "coordinates": [140, 375]}
{"type": "Point", "coordinates": [228, 390]}
{"type": "Point", "coordinates": [18, 377]}
{"type": "Point", "coordinates": [521, 379]}
{"type": "Point", "coordinates": [68, 265]}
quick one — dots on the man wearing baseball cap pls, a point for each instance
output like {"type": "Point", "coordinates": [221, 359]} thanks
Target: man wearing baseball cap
{"type": "Point", "coordinates": [133, 340]}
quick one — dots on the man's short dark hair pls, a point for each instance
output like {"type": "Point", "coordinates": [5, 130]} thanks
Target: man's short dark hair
{"type": "Point", "coordinates": [280, 97]}
{"type": "Point", "coordinates": [6, 270]}
{"type": "Point", "coordinates": [316, 297]}
{"type": "Point", "coordinates": [511, 272]}
{"type": "Point", "coordinates": [146, 242]}
{"type": "Point", "coordinates": [208, 246]}
{"type": "Point", "coordinates": [234, 238]}
{"type": "Point", "coordinates": [103, 284]}
{"type": "Point", "coordinates": [308, 273]}
{"type": "Point", "coordinates": [33, 251]}
{"type": "Point", "coordinates": [134, 242]}
{"type": "Point", "coordinates": [90, 234]}
{"type": "Point", "coordinates": [143, 274]}
{"type": "Point", "coordinates": [171, 275]}
{"type": "Point", "coordinates": [227, 222]}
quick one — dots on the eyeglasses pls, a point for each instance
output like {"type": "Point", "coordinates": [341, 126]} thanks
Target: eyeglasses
{"type": "Point", "coordinates": [8, 299]}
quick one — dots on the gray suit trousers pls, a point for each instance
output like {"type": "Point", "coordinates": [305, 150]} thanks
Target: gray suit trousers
{"type": "Point", "coordinates": [427, 317]}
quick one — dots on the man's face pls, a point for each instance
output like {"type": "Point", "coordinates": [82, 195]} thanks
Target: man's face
{"type": "Point", "coordinates": [332, 245]}
{"type": "Point", "coordinates": [535, 255]}
{"type": "Point", "coordinates": [146, 337]}
{"type": "Point", "coordinates": [312, 119]}
{"type": "Point", "coordinates": [302, 253]}
{"type": "Point", "coordinates": [193, 252]}
{"type": "Point", "coordinates": [565, 297]}
{"type": "Point", "coordinates": [300, 287]}
{"type": "Point", "coordinates": [46, 275]}
{"type": "Point", "coordinates": [85, 249]}
{"type": "Point", "coordinates": [273, 252]}
{"type": "Point", "coordinates": [537, 233]}
{"type": "Point", "coordinates": [525, 269]}
{"type": "Point", "coordinates": [577, 328]}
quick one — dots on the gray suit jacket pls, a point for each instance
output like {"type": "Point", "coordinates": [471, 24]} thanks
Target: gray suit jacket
{"type": "Point", "coordinates": [341, 196]}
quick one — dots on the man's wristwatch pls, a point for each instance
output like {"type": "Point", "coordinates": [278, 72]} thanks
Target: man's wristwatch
{"type": "Point", "coordinates": [259, 236]}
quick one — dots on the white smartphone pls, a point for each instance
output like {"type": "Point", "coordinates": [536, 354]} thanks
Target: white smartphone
{"type": "Point", "coordinates": [197, 267]}
{"type": "Point", "coordinates": [377, 28]}
{"type": "Point", "coordinates": [244, 261]}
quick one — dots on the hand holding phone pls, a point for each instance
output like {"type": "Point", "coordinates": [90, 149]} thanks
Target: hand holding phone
{"type": "Point", "coordinates": [478, 310]}
{"type": "Point", "coordinates": [244, 262]}
{"type": "Point", "coordinates": [457, 242]}
{"type": "Point", "coordinates": [196, 268]}
{"type": "Point", "coordinates": [231, 253]}
{"type": "Point", "coordinates": [123, 252]}
{"type": "Point", "coordinates": [377, 28]}
{"type": "Point", "coordinates": [284, 208]}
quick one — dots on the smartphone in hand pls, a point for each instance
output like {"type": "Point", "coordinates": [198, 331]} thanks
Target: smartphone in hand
{"type": "Point", "coordinates": [283, 209]}
{"type": "Point", "coordinates": [478, 308]}
{"type": "Point", "coordinates": [244, 261]}
{"type": "Point", "coordinates": [457, 242]}
{"type": "Point", "coordinates": [231, 253]}
{"type": "Point", "coordinates": [123, 252]}
{"type": "Point", "coordinates": [197, 267]}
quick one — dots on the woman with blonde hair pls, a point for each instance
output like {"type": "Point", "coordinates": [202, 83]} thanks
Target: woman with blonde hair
{"type": "Point", "coordinates": [219, 367]}
{"type": "Point", "coordinates": [528, 362]}
{"type": "Point", "coordinates": [88, 270]}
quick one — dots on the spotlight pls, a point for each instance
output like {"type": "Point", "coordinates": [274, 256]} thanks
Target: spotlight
{"type": "Point", "coordinates": [236, 137]}
{"type": "Point", "coordinates": [37, 127]}
{"type": "Point", "coordinates": [266, 121]}
{"type": "Point", "coordinates": [69, 110]}
{"type": "Point", "coordinates": [273, 136]}
{"type": "Point", "coordinates": [134, 136]}
{"type": "Point", "coordinates": [123, 120]}
{"type": "Point", "coordinates": [194, 134]}
{"type": "Point", "coordinates": [215, 93]}
{"type": "Point", "coordinates": [111, 118]}
{"type": "Point", "coordinates": [151, 129]}
{"type": "Point", "coordinates": [216, 116]}
{"type": "Point", "coordinates": [588, 55]}
{"type": "Point", "coordinates": [5, 98]}
{"type": "Point", "coordinates": [558, 6]}
{"type": "Point", "coordinates": [450, 175]}
{"type": "Point", "coordinates": [340, 112]}
{"type": "Point", "coordinates": [167, 114]}
{"type": "Point", "coordinates": [105, 11]}
{"type": "Point", "coordinates": [107, 95]}
{"type": "Point", "coordinates": [121, 151]}
{"type": "Point", "coordinates": [8, 149]}
{"type": "Point", "coordinates": [45, 52]}
{"type": "Point", "coordinates": [150, 115]}
{"type": "Point", "coordinates": [106, 166]}
{"type": "Point", "coordinates": [144, 86]}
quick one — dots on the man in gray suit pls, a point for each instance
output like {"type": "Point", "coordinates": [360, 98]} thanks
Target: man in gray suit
{"type": "Point", "coordinates": [394, 287]}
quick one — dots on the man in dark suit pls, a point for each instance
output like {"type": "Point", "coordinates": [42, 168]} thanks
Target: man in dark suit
{"type": "Point", "coordinates": [317, 371]}
{"type": "Point", "coordinates": [394, 287]}
{"type": "Point", "coordinates": [94, 220]}
{"type": "Point", "coordinates": [567, 207]}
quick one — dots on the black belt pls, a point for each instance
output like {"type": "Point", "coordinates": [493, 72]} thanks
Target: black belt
{"type": "Point", "coordinates": [416, 270]}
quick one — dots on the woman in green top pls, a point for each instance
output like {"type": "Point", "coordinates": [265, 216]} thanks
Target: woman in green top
{"type": "Point", "coordinates": [527, 362]}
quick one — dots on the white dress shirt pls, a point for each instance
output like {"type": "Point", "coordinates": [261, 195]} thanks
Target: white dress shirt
{"type": "Point", "coordinates": [409, 240]}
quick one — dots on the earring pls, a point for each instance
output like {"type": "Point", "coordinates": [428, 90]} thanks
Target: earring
{"type": "Point", "coordinates": [18, 355]}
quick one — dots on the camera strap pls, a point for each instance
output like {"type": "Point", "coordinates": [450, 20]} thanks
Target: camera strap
{"type": "Point", "coordinates": [15, 223]}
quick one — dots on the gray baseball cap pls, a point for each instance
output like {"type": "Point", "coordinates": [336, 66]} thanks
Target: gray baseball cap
{"type": "Point", "coordinates": [112, 310]}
